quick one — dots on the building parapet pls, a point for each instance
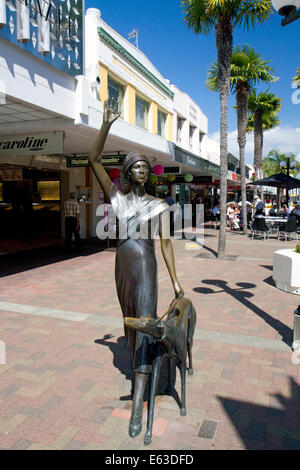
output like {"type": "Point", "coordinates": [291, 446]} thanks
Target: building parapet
{"type": "Point", "coordinates": [136, 63]}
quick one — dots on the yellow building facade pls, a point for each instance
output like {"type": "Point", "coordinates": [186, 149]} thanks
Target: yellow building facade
{"type": "Point", "coordinates": [159, 121]}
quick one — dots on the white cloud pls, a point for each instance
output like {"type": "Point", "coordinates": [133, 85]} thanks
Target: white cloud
{"type": "Point", "coordinates": [285, 139]}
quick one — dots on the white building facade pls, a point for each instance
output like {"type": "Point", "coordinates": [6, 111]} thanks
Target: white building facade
{"type": "Point", "coordinates": [57, 67]}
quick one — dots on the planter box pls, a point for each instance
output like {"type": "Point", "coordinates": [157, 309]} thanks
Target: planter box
{"type": "Point", "coordinates": [286, 270]}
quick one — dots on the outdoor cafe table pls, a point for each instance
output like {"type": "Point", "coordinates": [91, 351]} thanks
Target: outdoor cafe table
{"type": "Point", "coordinates": [274, 219]}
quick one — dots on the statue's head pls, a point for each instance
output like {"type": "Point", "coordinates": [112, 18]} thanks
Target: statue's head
{"type": "Point", "coordinates": [137, 168]}
{"type": "Point", "coordinates": [145, 324]}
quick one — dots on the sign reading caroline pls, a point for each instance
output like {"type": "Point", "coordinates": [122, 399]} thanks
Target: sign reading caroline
{"type": "Point", "coordinates": [40, 144]}
{"type": "Point", "coordinates": [51, 30]}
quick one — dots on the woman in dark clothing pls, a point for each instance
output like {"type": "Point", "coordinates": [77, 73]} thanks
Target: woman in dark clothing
{"type": "Point", "coordinates": [136, 266]}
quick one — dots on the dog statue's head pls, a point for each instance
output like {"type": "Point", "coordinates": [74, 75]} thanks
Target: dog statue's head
{"type": "Point", "coordinates": [147, 325]}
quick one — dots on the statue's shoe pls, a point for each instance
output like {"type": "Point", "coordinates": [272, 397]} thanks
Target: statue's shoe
{"type": "Point", "coordinates": [135, 425]}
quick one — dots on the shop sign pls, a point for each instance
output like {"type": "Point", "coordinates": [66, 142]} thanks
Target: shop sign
{"type": "Point", "coordinates": [48, 29]}
{"type": "Point", "coordinates": [11, 174]}
{"type": "Point", "coordinates": [197, 162]}
{"type": "Point", "coordinates": [112, 159]}
{"type": "Point", "coordinates": [41, 144]}
{"type": "Point", "coordinates": [77, 162]}
{"type": "Point", "coordinates": [81, 161]}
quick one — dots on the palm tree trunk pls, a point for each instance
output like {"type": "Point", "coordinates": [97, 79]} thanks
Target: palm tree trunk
{"type": "Point", "coordinates": [224, 48]}
{"type": "Point", "coordinates": [258, 144]}
{"type": "Point", "coordinates": [242, 94]}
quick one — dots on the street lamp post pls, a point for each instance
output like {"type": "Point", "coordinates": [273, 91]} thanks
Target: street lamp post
{"type": "Point", "coordinates": [290, 9]}
{"type": "Point", "coordinates": [289, 166]}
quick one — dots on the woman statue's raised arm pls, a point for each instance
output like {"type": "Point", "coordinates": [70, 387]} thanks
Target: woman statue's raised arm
{"type": "Point", "coordinates": [110, 115]}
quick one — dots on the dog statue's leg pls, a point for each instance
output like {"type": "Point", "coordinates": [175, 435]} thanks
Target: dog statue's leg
{"type": "Point", "coordinates": [189, 349]}
{"type": "Point", "coordinates": [183, 375]}
{"type": "Point", "coordinates": [154, 381]}
{"type": "Point", "coordinates": [171, 374]}
{"type": "Point", "coordinates": [135, 425]}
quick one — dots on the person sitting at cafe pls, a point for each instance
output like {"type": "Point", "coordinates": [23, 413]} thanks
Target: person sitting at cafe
{"type": "Point", "coordinates": [230, 214]}
{"type": "Point", "coordinates": [273, 210]}
{"type": "Point", "coordinates": [284, 211]}
{"type": "Point", "coordinates": [258, 206]}
{"type": "Point", "coordinates": [296, 213]}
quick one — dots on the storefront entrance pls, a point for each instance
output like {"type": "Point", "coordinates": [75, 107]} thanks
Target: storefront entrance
{"type": "Point", "coordinates": [30, 208]}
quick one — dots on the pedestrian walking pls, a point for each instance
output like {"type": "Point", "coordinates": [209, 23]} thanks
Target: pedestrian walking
{"type": "Point", "coordinates": [72, 224]}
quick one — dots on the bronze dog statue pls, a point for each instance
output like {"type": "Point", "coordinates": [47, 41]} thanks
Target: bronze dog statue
{"type": "Point", "coordinates": [174, 340]}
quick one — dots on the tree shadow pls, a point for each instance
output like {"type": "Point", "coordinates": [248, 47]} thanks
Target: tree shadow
{"type": "Point", "coordinates": [242, 296]}
{"type": "Point", "coordinates": [273, 427]}
{"type": "Point", "coordinates": [123, 362]}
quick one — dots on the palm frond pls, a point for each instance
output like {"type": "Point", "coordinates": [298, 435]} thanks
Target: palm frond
{"type": "Point", "coordinates": [252, 12]}
{"type": "Point", "coordinates": [265, 102]}
{"type": "Point", "coordinates": [247, 67]}
{"type": "Point", "coordinates": [197, 17]}
{"type": "Point", "coordinates": [269, 121]}
{"type": "Point", "coordinates": [297, 78]}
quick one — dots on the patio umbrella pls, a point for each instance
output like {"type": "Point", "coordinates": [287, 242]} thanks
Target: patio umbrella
{"type": "Point", "coordinates": [247, 203]}
{"type": "Point", "coordinates": [279, 180]}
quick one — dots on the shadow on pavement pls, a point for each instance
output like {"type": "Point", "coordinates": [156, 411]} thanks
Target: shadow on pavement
{"type": "Point", "coordinates": [242, 296]}
{"type": "Point", "coordinates": [269, 267]}
{"type": "Point", "coordinates": [267, 427]}
{"type": "Point", "coordinates": [20, 261]}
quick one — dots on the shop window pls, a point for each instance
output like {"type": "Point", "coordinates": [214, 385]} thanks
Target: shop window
{"type": "Point", "coordinates": [161, 123]}
{"type": "Point", "coordinates": [180, 122]}
{"type": "Point", "coordinates": [201, 137]}
{"type": "Point", "coordinates": [141, 112]}
{"type": "Point", "coordinates": [1, 192]}
{"type": "Point", "coordinates": [49, 190]}
{"type": "Point", "coordinates": [116, 92]}
{"type": "Point", "coordinates": [191, 135]}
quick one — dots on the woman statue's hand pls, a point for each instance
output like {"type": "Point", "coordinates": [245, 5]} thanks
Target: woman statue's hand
{"type": "Point", "coordinates": [110, 112]}
{"type": "Point", "coordinates": [179, 292]}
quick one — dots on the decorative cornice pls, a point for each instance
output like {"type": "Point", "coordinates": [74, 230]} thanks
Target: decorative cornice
{"type": "Point", "coordinates": [133, 61]}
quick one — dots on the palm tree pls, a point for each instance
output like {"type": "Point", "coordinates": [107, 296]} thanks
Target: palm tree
{"type": "Point", "coordinates": [261, 104]}
{"type": "Point", "coordinates": [223, 15]}
{"type": "Point", "coordinates": [271, 165]}
{"type": "Point", "coordinates": [247, 68]}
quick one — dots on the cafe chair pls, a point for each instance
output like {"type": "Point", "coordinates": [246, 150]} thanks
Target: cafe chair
{"type": "Point", "coordinates": [289, 229]}
{"type": "Point", "coordinates": [259, 228]}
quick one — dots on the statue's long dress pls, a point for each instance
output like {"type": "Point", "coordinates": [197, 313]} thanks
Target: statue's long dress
{"type": "Point", "coordinates": [136, 268]}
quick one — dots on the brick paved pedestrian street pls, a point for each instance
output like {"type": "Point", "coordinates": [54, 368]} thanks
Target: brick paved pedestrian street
{"type": "Point", "coordinates": [67, 380]}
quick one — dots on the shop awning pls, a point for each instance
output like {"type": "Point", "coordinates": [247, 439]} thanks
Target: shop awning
{"type": "Point", "coordinates": [204, 166]}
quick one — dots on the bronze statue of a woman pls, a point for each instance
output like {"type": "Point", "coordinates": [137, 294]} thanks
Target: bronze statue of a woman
{"type": "Point", "coordinates": [136, 266]}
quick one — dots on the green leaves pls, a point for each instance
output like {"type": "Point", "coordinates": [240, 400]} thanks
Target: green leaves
{"type": "Point", "coordinates": [271, 163]}
{"type": "Point", "coordinates": [202, 15]}
{"type": "Point", "coordinates": [297, 78]}
{"type": "Point", "coordinates": [247, 67]}
{"type": "Point", "coordinates": [265, 102]}
{"type": "Point", "coordinates": [269, 121]}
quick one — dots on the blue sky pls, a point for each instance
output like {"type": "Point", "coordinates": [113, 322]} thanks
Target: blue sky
{"type": "Point", "coordinates": [184, 57]}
